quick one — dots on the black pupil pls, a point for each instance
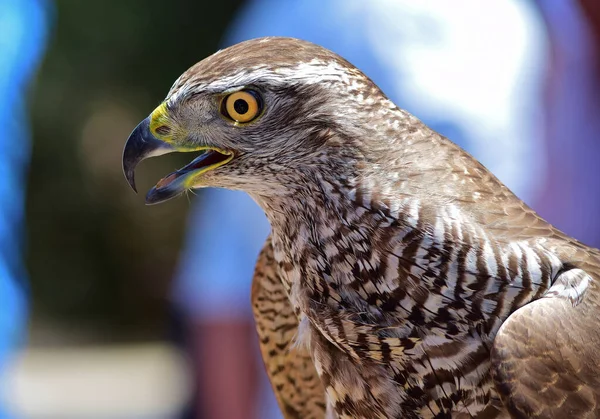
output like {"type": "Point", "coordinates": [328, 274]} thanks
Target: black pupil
{"type": "Point", "coordinates": [240, 106]}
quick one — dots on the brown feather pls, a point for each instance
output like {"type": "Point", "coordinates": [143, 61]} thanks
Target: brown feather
{"type": "Point", "coordinates": [292, 374]}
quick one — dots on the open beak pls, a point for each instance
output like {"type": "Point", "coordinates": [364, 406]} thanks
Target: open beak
{"type": "Point", "coordinates": [141, 144]}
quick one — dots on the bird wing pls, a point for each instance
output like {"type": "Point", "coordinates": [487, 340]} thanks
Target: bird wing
{"type": "Point", "coordinates": [546, 355]}
{"type": "Point", "coordinates": [297, 386]}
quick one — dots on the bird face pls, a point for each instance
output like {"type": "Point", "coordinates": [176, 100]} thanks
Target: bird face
{"type": "Point", "coordinates": [258, 111]}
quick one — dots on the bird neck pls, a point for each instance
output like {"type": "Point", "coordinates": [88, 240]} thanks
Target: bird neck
{"type": "Point", "coordinates": [321, 203]}
{"type": "Point", "coordinates": [319, 189]}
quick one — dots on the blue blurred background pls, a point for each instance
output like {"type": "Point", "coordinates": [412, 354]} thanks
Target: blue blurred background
{"type": "Point", "coordinates": [111, 309]}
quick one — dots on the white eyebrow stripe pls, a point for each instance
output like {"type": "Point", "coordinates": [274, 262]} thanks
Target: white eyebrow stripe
{"type": "Point", "coordinates": [313, 72]}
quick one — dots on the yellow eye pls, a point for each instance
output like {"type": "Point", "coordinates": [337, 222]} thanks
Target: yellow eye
{"type": "Point", "coordinates": [242, 106]}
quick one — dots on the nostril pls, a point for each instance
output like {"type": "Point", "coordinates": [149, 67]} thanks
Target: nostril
{"type": "Point", "coordinates": [163, 130]}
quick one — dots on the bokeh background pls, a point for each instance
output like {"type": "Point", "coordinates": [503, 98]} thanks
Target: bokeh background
{"type": "Point", "coordinates": [126, 311]}
{"type": "Point", "coordinates": [98, 259]}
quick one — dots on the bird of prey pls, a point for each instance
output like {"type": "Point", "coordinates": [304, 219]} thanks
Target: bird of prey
{"type": "Point", "coordinates": [401, 279]}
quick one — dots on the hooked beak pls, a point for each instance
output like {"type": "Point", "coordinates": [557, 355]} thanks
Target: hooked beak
{"type": "Point", "coordinates": [142, 144]}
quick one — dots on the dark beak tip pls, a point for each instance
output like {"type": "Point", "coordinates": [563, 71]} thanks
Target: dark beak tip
{"type": "Point", "coordinates": [130, 176]}
{"type": "Point", "coordinates": [159, 195]}
{"type": "Point", "coordinates": [151, 197]}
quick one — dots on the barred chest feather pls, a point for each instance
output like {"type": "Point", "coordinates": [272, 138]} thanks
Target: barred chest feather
{"type": "Point", "coordinates": [399, 304]}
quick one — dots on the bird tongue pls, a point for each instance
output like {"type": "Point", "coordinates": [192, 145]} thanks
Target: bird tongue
{"type": "Point", "coordinates": [172, 184]}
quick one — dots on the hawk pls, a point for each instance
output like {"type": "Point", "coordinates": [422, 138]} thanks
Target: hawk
{"type": "Point", "coordinates": [401, 279]}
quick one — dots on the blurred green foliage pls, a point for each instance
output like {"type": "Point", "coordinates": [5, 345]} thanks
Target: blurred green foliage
{"type": "Point", "coordinates": [98, 258]}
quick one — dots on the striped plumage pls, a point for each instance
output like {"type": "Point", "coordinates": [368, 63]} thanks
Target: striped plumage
{"type": "Point", "coordinates": [401, 278]}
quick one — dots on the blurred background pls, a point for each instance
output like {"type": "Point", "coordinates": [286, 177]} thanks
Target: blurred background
{"type": "Point", "coordinates": [112, 309]}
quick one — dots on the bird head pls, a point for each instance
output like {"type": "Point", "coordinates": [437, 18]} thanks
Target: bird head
{"type": "Point", "coordinates": [261, 113]}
